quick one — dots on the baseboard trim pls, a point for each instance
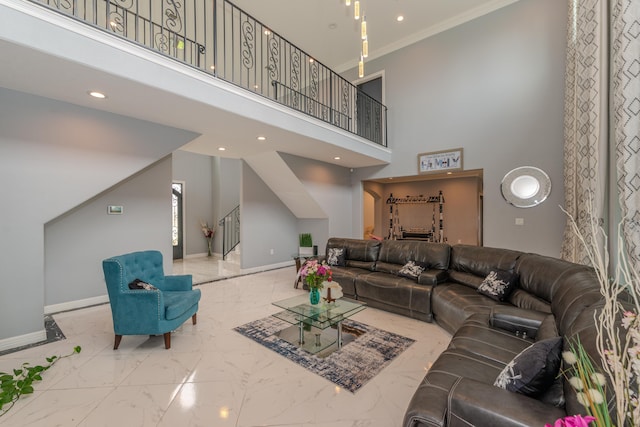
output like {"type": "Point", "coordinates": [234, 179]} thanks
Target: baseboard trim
{"type": "Point", "coordinates": [74, 305]}
{"type": "Point", "coordinates": [267, 267]}
{"type": "Point", "coordinates": [22, 340]}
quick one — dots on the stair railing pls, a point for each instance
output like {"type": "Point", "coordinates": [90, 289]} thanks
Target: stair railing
{"type": "Point", "coordinates": [230, 231]}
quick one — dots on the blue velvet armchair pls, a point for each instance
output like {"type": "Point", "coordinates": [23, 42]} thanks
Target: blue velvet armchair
{"type": "Point", "coordinates": [147, 312]}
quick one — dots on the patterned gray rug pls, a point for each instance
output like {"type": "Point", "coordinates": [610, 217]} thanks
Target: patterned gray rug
{"type": "Point", "coordinates": [350, 367]}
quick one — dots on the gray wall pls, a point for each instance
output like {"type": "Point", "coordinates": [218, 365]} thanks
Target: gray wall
{"type": "Point", "coordinates": [196, 172]}
{"type": "Point", "coordinates": [330, 186]}
{"type": "Point", "coordinates": [71, 155]}
{"type": "Point", "coordinates": [77, 242]}
{"type": "Point", "coordinates": [265, 223]}
{"type": "Point", "coordinates": [493, 86]}
{"type": "Point", "coordinates": [227, 180]}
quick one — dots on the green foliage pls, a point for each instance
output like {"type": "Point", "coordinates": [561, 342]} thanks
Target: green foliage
{"type": "Point", "coordinates": [12, 386]}
{"type": "Point", "coordinates": [305, 240]}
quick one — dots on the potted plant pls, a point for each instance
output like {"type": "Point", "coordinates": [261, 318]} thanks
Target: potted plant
{"type": "Point", "coordinates": [306, 244]}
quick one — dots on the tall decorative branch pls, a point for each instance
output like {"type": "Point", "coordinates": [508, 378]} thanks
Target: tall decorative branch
{"type": "Point", "coordinates": [620, 351]}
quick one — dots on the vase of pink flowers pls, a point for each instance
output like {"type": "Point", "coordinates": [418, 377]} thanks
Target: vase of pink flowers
{"type": "Point", "coordinates": [314, 275]}
{"type": "Point", "coordinates": [208, 234]}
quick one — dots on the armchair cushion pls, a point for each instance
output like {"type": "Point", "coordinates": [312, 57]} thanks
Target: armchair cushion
{"type": "Point", "coordinates": [178, 303]}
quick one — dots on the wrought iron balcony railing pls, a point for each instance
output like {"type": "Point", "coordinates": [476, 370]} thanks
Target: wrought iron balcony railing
{"type": "Point", "coordinates": [220, 39]}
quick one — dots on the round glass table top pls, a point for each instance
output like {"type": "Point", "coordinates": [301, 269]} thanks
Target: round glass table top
{"type": "Point", "coordinates": [526, 186]}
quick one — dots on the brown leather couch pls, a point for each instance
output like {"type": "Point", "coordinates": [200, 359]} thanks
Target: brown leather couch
{"type": "Point", "coordinates": [553, 298]}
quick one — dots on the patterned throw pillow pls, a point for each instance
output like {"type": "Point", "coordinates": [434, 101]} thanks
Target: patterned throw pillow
{"type": "Point", "coordinates": [498, 285]}
{"type": "Point", "coordinates": [411, 270]}
{"type": "Point", "coordinates": [532, 371]}
{"type": "Point", "coordinates": [336, 257]}
{"type": "Point", "coordinates": [139, 284]}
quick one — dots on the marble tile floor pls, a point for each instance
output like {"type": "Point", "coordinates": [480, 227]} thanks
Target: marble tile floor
{"type": "Point", "coordinates": [212, 376]}
{"type": "Point", "coordinates": [207, 269]}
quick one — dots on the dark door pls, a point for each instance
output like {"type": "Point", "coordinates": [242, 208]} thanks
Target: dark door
{"type": "Point", "coordinates": [177, 234]}
{"type": "Point", "coordinates": [369, 111]}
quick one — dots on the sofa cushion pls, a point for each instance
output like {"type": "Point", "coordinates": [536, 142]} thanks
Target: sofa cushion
{"type": "Point", "coordinates": [498, 284]}
{"type": "Point", "coordinates": [467, 279]}
{"type": "Point", "coordinates": [346, 278]}
{"type": "Point", "coordinates": [534, 370]}
{"type": "Point", "coordinates": [453, 303]}
{"type": "Point", "coordinates": [480, 260]}
{"type": "Point", "coordinates": [336, 256]}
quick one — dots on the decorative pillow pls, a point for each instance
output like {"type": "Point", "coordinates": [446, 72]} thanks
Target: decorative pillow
{"type": "Point", "coordinates": [534, 370]}
{"type": "Point", "coordinates": [411, 270]}
{"type": "Point", "coordinates": [498, 284]}
{"type": "Point", "coordinates": [139, 284]}
{"type": "Point", "coordinates": [336, 256]}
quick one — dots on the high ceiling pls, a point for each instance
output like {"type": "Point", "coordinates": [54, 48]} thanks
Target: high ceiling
{"type": "Point", "coordinates": [327, 30]}
{"type": "Point", "coordinates": [324, 28]}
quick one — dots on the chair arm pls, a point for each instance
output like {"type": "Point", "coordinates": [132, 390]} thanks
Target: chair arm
{"type": "Point", "coordinates": [183, 282]}
{"type": "Point", "coordinates": [138, 312]}
{"type": "Point", "coordinates": [516, 320]}
{"type": "Point", "coordinates": [432, 277]}
{"type": "Point", "coordinates": [478, 403]}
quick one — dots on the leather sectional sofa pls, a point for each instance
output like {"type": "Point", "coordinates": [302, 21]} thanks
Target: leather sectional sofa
{"type": "Point", "coordinates": [553, 298]}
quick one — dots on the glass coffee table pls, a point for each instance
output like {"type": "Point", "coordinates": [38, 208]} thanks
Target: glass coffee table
{"type": "Point", "coordinates": [317, 329]}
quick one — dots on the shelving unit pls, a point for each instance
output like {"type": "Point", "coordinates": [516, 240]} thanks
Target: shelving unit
{"type": "Point", "coordinates": [396, 231]}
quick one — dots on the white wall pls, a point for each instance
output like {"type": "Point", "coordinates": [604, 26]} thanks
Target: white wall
{"type": "Point", "coordinates": [493, 86]}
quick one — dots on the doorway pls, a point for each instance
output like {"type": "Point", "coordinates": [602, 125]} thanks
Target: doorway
{"type": "Point", "coordinates": [368, 110]}
{"type": "Point", "coordinates": [177, 218]}
{"type": "Point", "coordinates": [433, 207]}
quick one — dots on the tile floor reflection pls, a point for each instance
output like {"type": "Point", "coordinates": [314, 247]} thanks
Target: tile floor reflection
{"type": "Point", "coordinates": [207, 269]}
{"type": "Point", "coordinates": [212, 376]}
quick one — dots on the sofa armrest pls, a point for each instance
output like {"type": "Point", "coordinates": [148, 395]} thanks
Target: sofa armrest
{"type": "Point", "coordinates": [476, 403]}
{"type": "Point", "coordinates": [516, 320]}
{"type": "Point", "coordinates": [183, 282]}
{"type": "Point", "coordinates": [432, 277]}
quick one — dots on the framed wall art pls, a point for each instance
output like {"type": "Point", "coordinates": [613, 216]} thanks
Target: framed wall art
{"type": "Point", "coordinates": [441, 161]}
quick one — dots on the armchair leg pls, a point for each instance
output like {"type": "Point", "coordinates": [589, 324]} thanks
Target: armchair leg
{"type": "Point", "coordinates": [117, 342]}
{"type": "Point", "coordinates": [167, 340]}
{"type": "Point", "coordinates": [194, 318]}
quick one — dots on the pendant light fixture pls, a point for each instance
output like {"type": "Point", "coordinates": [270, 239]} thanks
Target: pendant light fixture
{"type": "Point", "coordinates": [364, 51]}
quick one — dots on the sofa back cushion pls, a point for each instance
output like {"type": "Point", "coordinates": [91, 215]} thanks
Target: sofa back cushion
{"type": "Point", "coordinates": [359, 253]}
{"type": "Point", "coordinates": [566, 286]}
{"type": "Point", "coordinates": [479, 260]}
{"type": "Point", "coordinates": [426, 254]}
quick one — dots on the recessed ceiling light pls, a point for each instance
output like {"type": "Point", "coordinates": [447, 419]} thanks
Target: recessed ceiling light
{"type": "Point", "coordinates": [400, 18]}
{"type": "Point", "coordinates": [336, 158]}
{"type": "Point", "coordinates": [96, 94]}
{"type": "Point", "coordinates": [262, 138]}
{"type": "Point", "coordinates": [333, 26]}
{"type": "Point", "coordinates": [221, 148]}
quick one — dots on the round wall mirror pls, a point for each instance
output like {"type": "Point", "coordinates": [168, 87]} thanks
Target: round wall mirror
{"type": "Point", "coordinates": [526, 186]}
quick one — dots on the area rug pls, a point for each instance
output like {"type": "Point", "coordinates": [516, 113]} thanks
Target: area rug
{"type": "Point", "coordinates": [350, 367]}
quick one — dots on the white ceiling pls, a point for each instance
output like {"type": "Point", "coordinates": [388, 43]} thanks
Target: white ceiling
{"type": "Point", "coordinates": [327, 30]}
{"type": "Point", "coordinates": [68, 80]}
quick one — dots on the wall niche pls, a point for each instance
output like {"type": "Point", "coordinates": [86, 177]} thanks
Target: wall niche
{"type": "Point", "coordinates": [416, 212]}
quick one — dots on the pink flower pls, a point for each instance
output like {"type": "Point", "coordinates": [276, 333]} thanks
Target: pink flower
{"type": "Point", "coordinates": [572, 421]}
